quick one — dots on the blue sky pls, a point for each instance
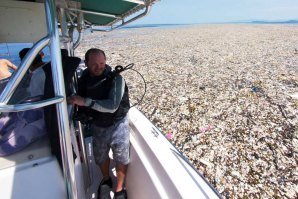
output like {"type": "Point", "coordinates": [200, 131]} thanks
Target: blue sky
{"type": "Point", "coordinates": [212, 11]}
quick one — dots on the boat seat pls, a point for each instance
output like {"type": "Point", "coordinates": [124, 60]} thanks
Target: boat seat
{"type": "Point", "coordinates": [32, 173]}
{"type": "Point", "coordinates": [69, 67]}
{"type": "Point", "coordinates": [38, 149]}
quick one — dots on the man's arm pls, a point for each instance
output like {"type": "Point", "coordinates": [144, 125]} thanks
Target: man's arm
{"type": "Point", "coordinates": [111, 104]}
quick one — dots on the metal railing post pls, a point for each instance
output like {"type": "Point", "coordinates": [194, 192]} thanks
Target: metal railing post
{"type": "Point", "coordinates": [58, 81]}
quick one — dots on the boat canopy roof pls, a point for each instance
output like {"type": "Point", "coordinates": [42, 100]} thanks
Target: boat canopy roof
{"type": "Point", "coordinates": [28, 16]}
{"type": "Point", "coordinates": [108, 12]}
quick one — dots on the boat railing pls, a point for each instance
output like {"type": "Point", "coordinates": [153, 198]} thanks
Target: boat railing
{"type": "Point", "coordinates": [51, 40]}
{"type": "Point", "coordinates": [59, 90]}
{"type": "Point", "coordinates": [32, 105]}
{"type": "Point", "coordinates": [86, 166]}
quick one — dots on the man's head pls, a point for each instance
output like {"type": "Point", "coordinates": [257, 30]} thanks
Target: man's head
{"type": "Point", "coordinates": [23, 52]}
{"type": "Point", "coordinates": [95, 60]}
{"type": "Point", "coordinates": [36, 62]}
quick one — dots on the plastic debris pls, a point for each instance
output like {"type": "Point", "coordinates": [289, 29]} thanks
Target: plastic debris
{"type": "Point", "coordinates": [169, 136]}
{"type": "Point", "coordinates": [206, 128]}
{"type": "Point", "coordinates": [239, 83]}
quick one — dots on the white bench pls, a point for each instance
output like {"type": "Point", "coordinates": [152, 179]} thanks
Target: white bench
{"type": "Point", "coordinates": [40, 148]}
{"type": "Point", "coordinates": [32, 173]}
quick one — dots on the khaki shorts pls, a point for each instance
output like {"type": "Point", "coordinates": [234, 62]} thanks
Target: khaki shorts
{"type": "Point", "coordinates": [115, 137]}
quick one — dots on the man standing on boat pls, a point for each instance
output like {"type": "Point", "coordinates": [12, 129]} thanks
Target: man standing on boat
{"type": "Point", "coordinates": [104, 98]}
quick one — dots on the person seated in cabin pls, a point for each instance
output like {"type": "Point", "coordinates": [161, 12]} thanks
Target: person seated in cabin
{"type": "Point", "coordinates": [18, 129]}
{"type": "Point", "coordinates": [5, 73]}
{"type": "Point", "coordinates": [107, 103]}
{"type": "Point", "coordinates": [31, 85]}
{"type": "Point", "coordinates": [5, 66]}
{"type": "Point", "coordinates": [37, 74]}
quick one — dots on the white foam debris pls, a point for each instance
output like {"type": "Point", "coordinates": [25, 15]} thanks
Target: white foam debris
{"type": "Point", "coordinates": [224, 90]}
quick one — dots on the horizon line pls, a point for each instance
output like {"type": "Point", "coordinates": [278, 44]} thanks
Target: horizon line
{"type": "Point", "coordinates": [223, 22]}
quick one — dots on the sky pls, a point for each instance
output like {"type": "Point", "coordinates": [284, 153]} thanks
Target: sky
{"type": "Point", "coordinates": [217, 11]}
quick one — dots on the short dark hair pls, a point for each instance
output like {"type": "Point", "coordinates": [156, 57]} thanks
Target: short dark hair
{"type": "Point", "coordinates": [23, 53]}
{"type": "Point", "coordinates": [93, 50]}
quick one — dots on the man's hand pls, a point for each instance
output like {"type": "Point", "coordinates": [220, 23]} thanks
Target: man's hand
{"type": "Point", "coordinates": [5, 65]}
{"type": "Point", "coordinates": [78, 100]}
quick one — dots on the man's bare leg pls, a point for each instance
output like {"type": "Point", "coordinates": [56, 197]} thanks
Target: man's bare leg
{"type": "Point", "coordinates": [121, 174]}
{"type": "Point", "coordinates": [106, 184]}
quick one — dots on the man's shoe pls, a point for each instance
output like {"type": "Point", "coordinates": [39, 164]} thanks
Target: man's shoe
{"type": "Point", "coordinates": [121, 194]}
{"type": "Point", "coordinates": [104, 189]}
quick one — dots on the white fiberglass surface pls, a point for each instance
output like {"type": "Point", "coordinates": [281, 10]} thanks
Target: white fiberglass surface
{"type": "Point", "coordinates": [34, 151]}
{"type": "Point", "coordinates": [156, 170]}
{"type": "Point", "coordinates": [166, 164]}
{"type": "Point", "coordinates": [36, 179]}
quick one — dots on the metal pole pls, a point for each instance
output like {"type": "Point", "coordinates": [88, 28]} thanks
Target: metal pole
{"type": "Point", "coordinates": [63, 26]}
{"type": "Point", "coordinates": [94, 13]}
{"type": "Point", "coordinates": [58, 81]}
{"type": "Point", "coordinates": [30, 105]}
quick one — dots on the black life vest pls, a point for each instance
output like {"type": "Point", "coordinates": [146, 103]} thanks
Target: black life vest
{"type": "Point", "coordinates": [100, 92]}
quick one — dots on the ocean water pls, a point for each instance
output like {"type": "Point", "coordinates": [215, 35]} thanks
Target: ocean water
{"type": "Point", "coordinates": [157, 26]}
{"type": "Point", "coordinates": [289, 22]}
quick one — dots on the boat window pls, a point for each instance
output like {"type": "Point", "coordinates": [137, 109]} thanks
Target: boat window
{"type": "Point", "coordinates": [32, 84]}
{"type": "Point", "coordinates": [11, 51]}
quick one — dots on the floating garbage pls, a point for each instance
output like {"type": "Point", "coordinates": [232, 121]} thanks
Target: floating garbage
{"type": "Point", "coordinates": [207, 128]}
{"type": "Point", "coordinates": [232, 99]}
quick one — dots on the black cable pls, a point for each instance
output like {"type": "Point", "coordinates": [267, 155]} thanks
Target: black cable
{"type": "Point", "coordinates": [119, 69]}
{"type": "Point", "coordinates": [145, 89]}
